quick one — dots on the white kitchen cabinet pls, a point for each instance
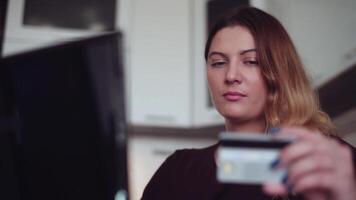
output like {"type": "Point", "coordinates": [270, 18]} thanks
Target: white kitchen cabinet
{"type": "Point", "coordinates": [167, 67]}
{"type": "Point", "coordinates": [20, 37]}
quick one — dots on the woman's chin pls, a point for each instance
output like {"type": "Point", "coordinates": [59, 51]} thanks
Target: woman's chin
{"type": "Point", "coordinates": [241, 117]}
{"type": "Point", "coordinates": [235, 117]}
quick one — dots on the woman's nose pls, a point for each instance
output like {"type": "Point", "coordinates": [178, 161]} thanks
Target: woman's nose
{"type": "Point", "coordinates": [233, 75]}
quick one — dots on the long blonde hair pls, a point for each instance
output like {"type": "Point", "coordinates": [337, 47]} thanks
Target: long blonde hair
{"type": "Point", "coordinates": [291, 100]}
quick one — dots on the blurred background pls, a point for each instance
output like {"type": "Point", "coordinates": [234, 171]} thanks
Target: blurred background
{"type": "Point", "coordinates": [168, 105]}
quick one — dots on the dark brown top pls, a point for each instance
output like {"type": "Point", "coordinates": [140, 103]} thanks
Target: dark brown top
{"type": "Point", "coordinates": [191, 174]}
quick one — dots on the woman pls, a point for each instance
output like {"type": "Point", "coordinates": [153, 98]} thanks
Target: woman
{"type": "Point", "coordinates": [257, 81]}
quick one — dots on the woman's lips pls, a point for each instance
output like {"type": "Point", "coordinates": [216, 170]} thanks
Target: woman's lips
{"type": "Point", "coordinates": [233, 96]}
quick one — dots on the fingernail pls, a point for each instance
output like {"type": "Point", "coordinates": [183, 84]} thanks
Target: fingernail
{"type": "Point", "coordinates": [288, 185]}
{"type": "Point", "coordinates": [289, 188]}
{"type": "Point", "coordinates": [274, 130]}
{"type": "Point", "coordinates": [274, 163]}
{"type": "Point", "coordinates": [285, 180]}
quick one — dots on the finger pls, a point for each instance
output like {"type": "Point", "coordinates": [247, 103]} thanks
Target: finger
{"type": "Point", "coordinates": [320, 181]}
{"type": "Point", "coordinates": [298, 132]}
{"type": "Point", "coordinates": [308, 165]}
{"type": "Point", "coordinates": [295, 151]}
{"type": "Point", "coordinates": [313, 144]}
{"type": "Point", "coordinates": [345, 158]}
{"type": "Point", "coordinates": [274, 189]}
{"type": "Point", "coordinates": [316, 195]}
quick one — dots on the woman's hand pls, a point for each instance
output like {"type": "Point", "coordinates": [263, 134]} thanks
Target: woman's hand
{"type": "Point", "coordinates": [319, 167]}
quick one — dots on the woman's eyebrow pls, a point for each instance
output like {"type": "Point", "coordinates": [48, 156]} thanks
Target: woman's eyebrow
{"type": "Point", "coordinates": [217, 53]}
{"type": "Point", "coordinates": [246, 51]}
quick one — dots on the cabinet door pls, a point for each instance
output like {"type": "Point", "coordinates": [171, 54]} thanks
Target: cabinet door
{"type": "Point", "coordinates": [21, 37]}
{"type": "Point", "coordinates": [160, 63]}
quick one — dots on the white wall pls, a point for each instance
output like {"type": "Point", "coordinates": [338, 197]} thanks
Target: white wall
{"type": "Point", "coordinates": [323, 31]}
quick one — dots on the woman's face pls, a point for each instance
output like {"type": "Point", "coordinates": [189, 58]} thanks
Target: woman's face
{"type": "Point", "coordinates": [236, 84]}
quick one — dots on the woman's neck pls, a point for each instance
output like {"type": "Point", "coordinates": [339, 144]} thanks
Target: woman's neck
{"type": "Point", "coordinates": [254, 126]}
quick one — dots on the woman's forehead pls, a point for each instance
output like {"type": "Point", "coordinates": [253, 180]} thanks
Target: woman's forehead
{"type": "Point", "coordinates": [236, 38]}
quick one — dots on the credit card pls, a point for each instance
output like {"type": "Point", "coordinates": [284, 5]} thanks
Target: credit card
{"type": "Point", "coordinates": [246, 158]}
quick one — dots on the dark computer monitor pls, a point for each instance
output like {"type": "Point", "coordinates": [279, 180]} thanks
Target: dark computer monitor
{"type": "Point", "coordinates": [65, 106]}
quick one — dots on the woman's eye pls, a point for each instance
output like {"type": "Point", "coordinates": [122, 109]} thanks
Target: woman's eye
{"type": "Point", "coordinates": [218, 63]}
{"type": "Point", "coordinates": [251, 63]}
